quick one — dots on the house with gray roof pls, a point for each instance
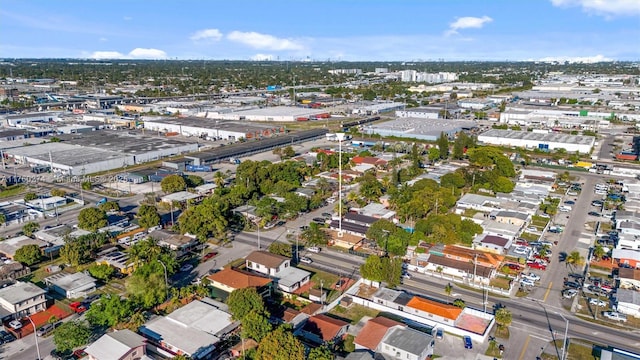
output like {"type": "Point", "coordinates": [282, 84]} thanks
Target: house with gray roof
{"type": "Point", "coordinates": [21, 299]}
{"type": "Point", "coordinates": [193, 330]}
{"type": "Point", "coordinates": [118, 345]}
{"type": "Point", "coordinates": [511, 217]}
{"type": "Point", "coordinates": [71, 285]}
{"type": "Point", "coordinates": [628, 302]}
{"type": "Point", "coordinates": [278, 268]}
{"type": "Point", "coordinates": [493, 243]}
{"type": "Point", "coordinates": [402, 342]}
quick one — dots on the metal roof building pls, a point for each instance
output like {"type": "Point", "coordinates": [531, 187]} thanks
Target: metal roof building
{"type": "Point", "coordinates": [537, 140]}
{"type": "Point", "coordinates": [420, 128]}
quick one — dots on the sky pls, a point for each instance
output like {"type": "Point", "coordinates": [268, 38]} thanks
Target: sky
{"type": "Point", "coordinates": [336, 30]}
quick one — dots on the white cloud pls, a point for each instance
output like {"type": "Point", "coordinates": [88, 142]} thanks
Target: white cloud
{"type": "Point", "coordinates": [468, 22]}
{"type": "Point", "coordinates": [137, 53]}
{"type": "Point", "coordinates": [142, 53]}
{"type": "Point", "coordinates": [263, 41]}
{"type": "Point", "coordinates": [575, 59]}
{"type": "Point", "coordinates": [262, 57]}
{"type": "Point", "coordinates": [207, 34]}
{"type": "Point", "coordinates": [103, 39]}
{"type": "Point", "coordinates": [603, 7]}
{"type": "Point", "coordinates": [106, 55]}
{"type": "Point", "coordinates": [127, 18]}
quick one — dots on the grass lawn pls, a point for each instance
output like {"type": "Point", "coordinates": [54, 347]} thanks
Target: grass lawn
{"type": "Point", "coordinates": [529, 237]}
{"type": "Point", "coordinates": [575, 351]}
{"type": "Point", "coordinates": [326, 278]}
{"type": "Point", "coordinates": [539, 221]}
{"type": "Point", "coordinates": [500, 282]}
{"type": "Point", "coordinates": [605, 226]}
{"type": "Point", "coordinates": [493, 350]}
{"type": "Point", "coordinates": [354, 313]}
{"type": "Point", "coordinates": [12, 190]}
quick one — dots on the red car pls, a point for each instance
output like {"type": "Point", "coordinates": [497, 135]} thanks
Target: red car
{"type": "Point", "coordinates": [209, 255]}
{"type": "Point", "coordinates": [536, 265]}
{"type": "Point", "coordinates": [78, 307]}
{"type": "Point", "coordinates": [514, 266]}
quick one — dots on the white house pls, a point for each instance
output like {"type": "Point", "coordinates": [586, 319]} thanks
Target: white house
{"type": "Point", "coordinates": [402, 342]}
{"type": "Point", "coordinates": [71, 285]}
{"type": "Point", "coordinates": [278, 267]}
{"type": "Point", "coordinates": [628, 302]}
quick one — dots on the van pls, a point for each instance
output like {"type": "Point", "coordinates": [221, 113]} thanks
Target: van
{"type": "Point", "coordinates": [314, 249]}
{"type": "Point", "coordinates": [565, 208]}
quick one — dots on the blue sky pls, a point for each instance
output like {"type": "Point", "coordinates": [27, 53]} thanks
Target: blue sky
{"type": "Point", "coordinates": [351, 30]}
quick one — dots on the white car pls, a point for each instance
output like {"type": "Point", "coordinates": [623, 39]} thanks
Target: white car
{"type": "Point", "coordinates": [568, 294]}
{"type": "Point", "coordinates": [597, 302]}
{"type": "Point", "coordinates": [527, 282]}
{"type": "Point", "coordinates": [15, 324]}
{"type": "Point", "coordinates": [314, 249]}
{"type": "Point", "coordinates": [521, 250]}
{"type": "Point", "coordinates": [531, 276]}
{"type": "Point", "coordinates": [305, 260]}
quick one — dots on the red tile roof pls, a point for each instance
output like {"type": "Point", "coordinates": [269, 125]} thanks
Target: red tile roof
{"type": "Point", "coordinates": [368, 160]}
{"type": "Point", "coordinates": [436, 308]}
{"type": "Point", "coordinates": [373, 332]}
{"type": "Point", "coordinates": [324, 326]}
{"type": "Point", "coordinates": [238, 279]}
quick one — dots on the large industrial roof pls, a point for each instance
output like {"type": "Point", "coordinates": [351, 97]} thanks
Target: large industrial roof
{"type": "Point", "coordinates": [240, 126]}
{"type": "Point", "coordinates": [420, 126]}
{"type": "Point", "coordinates": [280, 111]}
{"type": "Point", "coordinates": [544, 137]}
{"type": "Point", "coordinates": [122, 142]}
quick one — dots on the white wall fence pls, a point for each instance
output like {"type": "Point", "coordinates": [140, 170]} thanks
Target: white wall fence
{"type": "Point", "coordinates": [463, 280]}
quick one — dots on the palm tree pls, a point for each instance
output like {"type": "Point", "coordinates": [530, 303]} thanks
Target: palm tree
{"type": "Point", "coordinates": [448, 289]}
{"type": "Point", "coordinates": [598, 252]}
{"type": "Point", "coordinates": [575, 259]}
{"type": "Point", "coordinates": [503, 318]}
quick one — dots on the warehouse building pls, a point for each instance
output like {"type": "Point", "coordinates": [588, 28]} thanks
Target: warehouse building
{"type": "Point", "coordinates": [276, 113]}
{"type": "Point", "coordinates": [416, 128]}
{"type": "Point", "coordinates": [82, 154]}
{"type": "Point", "coordinates": [538, 140]}
{"type": "Point", "coordinates": [24, 119]}
{"type": "Point", "coordinates": [212, 129]}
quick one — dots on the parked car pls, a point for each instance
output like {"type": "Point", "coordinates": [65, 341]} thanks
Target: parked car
{"type": "Point", "coordinates": [468, 344]}
{"type": "Point", "coordinates": [571, 285]}
{"type": "Point", "coordinates": [209, 255]}
{"type": "Point", "coordinates": [614, 315]}
{"type": "Point", "coordinates": [537, 265]}
{"type": "Point", "coordinates": [186, 267]}
{"type": "Point", "coordinates": [15, 324]}
{"type": "Point", "coordinates": [326, 215]}
{"type": "Point", "coordinates": [439, 333]}
{"type": "Point", "coordinates": [531, 276]}
{"type": "Point", "coordinates": [594, 213]}
{"type": "Point", "coordinates": [521, 250]}
{"type": "Point", "coordinates": [47, 328]}
{"type": "Point", "coordinates": [527, 282]}
{"type": "Point", "coordinates": [569, 293]}
{"type": "Point", "coordinates": [597, 302]}
{"type": "Point", "coordinates": [513, 266]}
{"type": "Point", "coordinates": [314, 249]}
{"type": "Point", "coordinates": [305, 260]}
{"type": "Point", "coordinates": [6, 337]}
{"type": "Point", "coordinates": [319, 220]}
{"type": "Point", "coordinates": [78, 307]}
{"type": "Point", "coordinates": [91, 298]}
{"type": "Point", "coordinates": [570, 202]}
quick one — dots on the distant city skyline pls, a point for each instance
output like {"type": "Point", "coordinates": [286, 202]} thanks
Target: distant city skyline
{"type": "Point", "coordinates": [337, 30]}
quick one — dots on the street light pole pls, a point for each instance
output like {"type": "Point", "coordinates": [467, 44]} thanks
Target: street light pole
{"type": "Point", "coordinates": [36, 336]}
{"type": "Point", "coordinates": [166, 283]}
{"type": "Point", "coordinates": [564, 344]}
{"type": "Point", "coordinates": [340, 137]}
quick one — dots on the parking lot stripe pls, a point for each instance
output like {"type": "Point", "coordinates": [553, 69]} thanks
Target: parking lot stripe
{"type": "Point", "coordinates": [547, 292]}
{"type": "Point", "coordinates": [524, 348]}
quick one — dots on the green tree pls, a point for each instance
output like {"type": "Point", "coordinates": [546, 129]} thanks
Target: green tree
{"type": "Point", "coordinates": [3, 219]}
{"type": "Point", "coordinates": [86, 185]}
{"type": "Point", "coordinates": [503, 317]}
{"type": "Point", "coordinates": [173, 183]}
{"type": "Point", "coordinates": [280, 345]}
{"type": "Point", "coordinates": [314, 235]}
{"type": "Point", "coordinates": [321, 353]}
{"type": "Point", "coordinates": [280, 248]}
{"type": "Point", "coordinates": [110, 206]}
{"type": "Point", "coordinates": [70, 335]}
{"type": "Point", "coordinates": [110, 310]}
{"type": "Point", "coordinates": [503, 184]}
{"type": "Point", "coordinates": [459, 303]}
{"type": "Point", "coordinates": [29, 228]}
{"type": "Point", "coordinates": [243, 301]}
{"type": "Point", "coordinates": [102, 272]}
{"type": "Point", "coordinates": [28, 254]}
{"type": "Point", "coordinates": [370, 188]}
{"type": "Point", "coordinates": [448, 289]}
{"type": "Point", "coordinates": [575, 259]}
{"type": "Point", "coordinates": [599, 251]}
{"type": "Point", "coordinates": [30, 196]}
{"type": "Point", "coordinates": [255, 325]}
{"type": "Point", "coordinates": [194, 180]}
{"type": "Point", "coordinates": [443, 145]}
{"type": "Point", "coordinates": [148, 216]}
{"type": "Point", "coordinates": [288, 152]}
{"type": "Point", "coordinates": [147, 285]}
{"type": "Point", "coordinates": [206, 219]}
{"type": "Point", "coordinates": [92, 219]}
{"type": "Point", "coordinates": [433, 154]}
{"type": "Point", "coordinates": [58, 192]}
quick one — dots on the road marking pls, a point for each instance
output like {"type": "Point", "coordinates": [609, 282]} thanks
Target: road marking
{"type": "Point", "coordinates": [524, 348]}
{"type": "Point", "coordinates": [547, 292]}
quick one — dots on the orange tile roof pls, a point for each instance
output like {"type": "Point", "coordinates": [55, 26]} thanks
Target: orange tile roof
{"type": "Point", "coordinates": [373, 331]}
{"type": "Point", "coordinates": [324, 326]}
{"type": "Point", "coordinates": [238, 279]}
{"type": "Point", "coordinates": [436, 308]}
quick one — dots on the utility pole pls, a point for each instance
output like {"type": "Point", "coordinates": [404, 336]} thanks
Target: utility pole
{"type": "Point", "coordinates": [475, 264]}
